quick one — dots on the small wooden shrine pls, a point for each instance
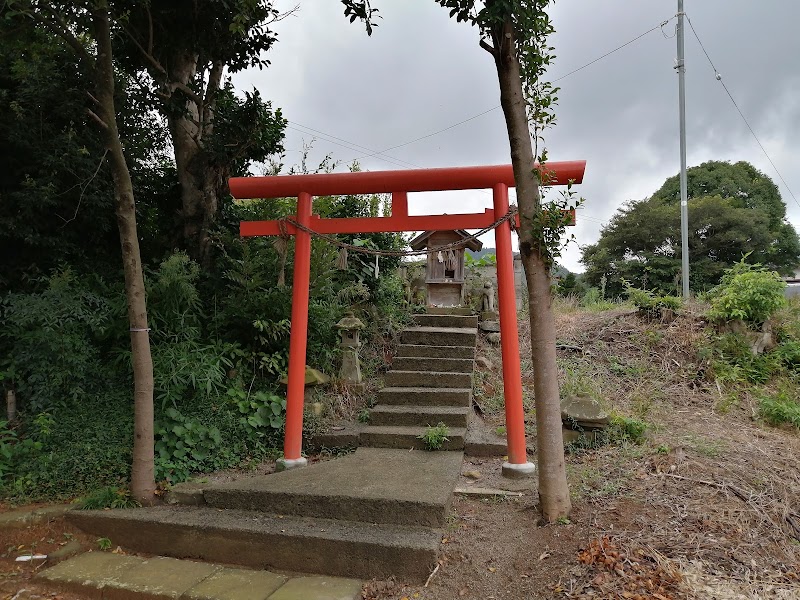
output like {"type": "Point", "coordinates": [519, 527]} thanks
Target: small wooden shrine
{"type": "Point", "coordinates": [444, 272]}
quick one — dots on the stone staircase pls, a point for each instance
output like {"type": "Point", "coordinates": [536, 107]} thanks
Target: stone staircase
{"type": "Point", "coordinates": [430, 383]}
{"type": "Point", "coordinates": [378, 512]}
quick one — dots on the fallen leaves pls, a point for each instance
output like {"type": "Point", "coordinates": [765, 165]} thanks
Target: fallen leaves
{"type": "Point", "coordinates": [639, 577]}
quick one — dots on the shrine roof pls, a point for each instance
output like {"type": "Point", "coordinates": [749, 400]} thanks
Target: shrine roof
{"type": "Point", "coordinates": [421, 240]}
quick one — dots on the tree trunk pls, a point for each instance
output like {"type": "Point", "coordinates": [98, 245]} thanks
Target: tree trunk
{"type": "Point", "coordinates": [200, 182]}
{"type": "Point", "coordinates": [553, 491]}
{"type": "Point", "coordinates": [142, 470]}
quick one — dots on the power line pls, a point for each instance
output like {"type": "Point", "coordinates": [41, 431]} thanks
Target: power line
{"type": "Point", "coordinates": [739, 110]}
{"type": "Point", "coordinates": [486, 112]}
{"type": "Point", "coordinates": [628, 43]}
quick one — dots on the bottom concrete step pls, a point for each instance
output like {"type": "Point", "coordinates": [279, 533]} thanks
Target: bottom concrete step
{"type": "Point", "coordinates": [251, 539]}
{"type": "Point", "coordinates": [419, 416]}
{"type": "Point", "coordinates": [408, 437]}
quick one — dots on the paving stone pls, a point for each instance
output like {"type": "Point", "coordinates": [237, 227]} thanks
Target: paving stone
{"type": "Point", "coordinates": [89, 573]}
{"type": "Point", "coordinates": [236, 584]}
{"type": "Point", "coordinates": [318, 588]}
{"type": "Point", "coordinates": [158, 579]}
{"type": "Point", "coordinates": [67, 550]}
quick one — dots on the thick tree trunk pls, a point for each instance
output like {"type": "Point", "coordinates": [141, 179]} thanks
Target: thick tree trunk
{"type": "Point", "coordinates": [199, 181]}
{"type": "Point", "coordinates": [142, 471]}
{"type": "Point", "coordinates": [553, 491]}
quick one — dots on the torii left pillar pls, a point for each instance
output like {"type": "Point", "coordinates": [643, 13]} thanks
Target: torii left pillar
{"type": "Point", "coordinates": [498, 178]}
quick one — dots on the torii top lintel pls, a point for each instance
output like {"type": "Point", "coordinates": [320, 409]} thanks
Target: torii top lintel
{"type": "Point", "coordinates": [412, 180]}
{"type": "Point", "coordinates": [397, 183]}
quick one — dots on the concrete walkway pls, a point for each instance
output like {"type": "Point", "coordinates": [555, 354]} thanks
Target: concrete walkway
{"type": "Point", "coordinates": [108, 576]}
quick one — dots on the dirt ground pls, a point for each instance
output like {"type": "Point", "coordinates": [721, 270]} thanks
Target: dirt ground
{"type": "Point", "coordinates": [708, 507]}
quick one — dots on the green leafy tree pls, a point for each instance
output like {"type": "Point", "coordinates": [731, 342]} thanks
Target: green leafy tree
{"type": "Point", "coordinates": [514, 33]}
{"type": "Point", "coordinates": [188, 48]}
{"type": "Point", "coordinates": [85, 28]}
{"type": "Point", "coordinates": [733, 211]}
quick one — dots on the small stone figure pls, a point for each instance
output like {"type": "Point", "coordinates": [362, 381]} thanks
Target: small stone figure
{"type": "Point", "coordinates": [487, 297]}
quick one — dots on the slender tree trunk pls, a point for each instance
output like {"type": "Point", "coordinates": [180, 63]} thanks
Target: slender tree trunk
{"type": "Point", "coordinates": [553, 491]}
{"type": "Point", "coordinates": [142, 476]}
{"type": "Point", "coordinates": [200, 182]}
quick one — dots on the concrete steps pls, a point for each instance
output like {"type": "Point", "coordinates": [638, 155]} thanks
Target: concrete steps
{"type": "Point", "coordinates": [408, 437]}
{"type": "Point", "coordinates": [423, 396]}
{"type": "Point", "coordinates": [419, 416]}
{"type": "Point", "coordinates": [415, 350]}
{"type": "Point", "coordinates": [429, 379]}
{"type": "Point", "coordinates": [375, 513]}
{"type": "Point", "coordinates": [261, 540]}
{"type": "Point", "coordinates": [442, 365]}
{"type": "Point", "coordinates": [440, 336]}
{"type": "Point", "coordinates": [430, 383]}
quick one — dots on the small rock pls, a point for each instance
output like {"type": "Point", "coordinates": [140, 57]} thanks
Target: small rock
{"type": "Point", "coordinates": [490, 326]}
{"type": "Point", "coordinates": [583, 410]}
{"type": "Point", "coordinates": [472, 474]}
{"type": "Point", "coordinates": [493, 338]}
{"type": "Point", "coordinates": [484, 363]}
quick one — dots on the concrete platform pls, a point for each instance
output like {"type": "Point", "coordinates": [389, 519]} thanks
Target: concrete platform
{"type": "Point", "coordinates": [372, 485]}
{"type": "Point", "coordinates": [119, 577]}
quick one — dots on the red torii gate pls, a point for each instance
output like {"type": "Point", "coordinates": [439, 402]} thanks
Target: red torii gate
{"type": "Point", "coordinates": [397, 183]}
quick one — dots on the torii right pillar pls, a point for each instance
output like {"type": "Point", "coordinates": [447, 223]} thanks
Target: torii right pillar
{"type": "Point", "coordinates": [517, 464]}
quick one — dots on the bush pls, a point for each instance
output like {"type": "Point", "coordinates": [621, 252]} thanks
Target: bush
{"type": "Point", "coordinates": [779, 408]}
{"type": "Point", "coordinates": [750, 293]}
{"type": "Point", "coordinates": [52, 341]}
{"type": "Point", "coordinates": [649, 302]}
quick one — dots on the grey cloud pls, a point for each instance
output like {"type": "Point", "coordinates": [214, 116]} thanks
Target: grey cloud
{"type": "Point", "coordinates": [420, 72]}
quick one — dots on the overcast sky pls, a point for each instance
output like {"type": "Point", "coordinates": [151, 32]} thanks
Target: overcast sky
{"type": "Point", "coordinates": [421, 72]}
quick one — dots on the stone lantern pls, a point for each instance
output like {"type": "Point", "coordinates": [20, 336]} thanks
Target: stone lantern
{"type": "Point", "coordinates": [349, 328]}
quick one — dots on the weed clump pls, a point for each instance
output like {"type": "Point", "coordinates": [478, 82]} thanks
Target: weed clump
{"type": "Point", "coordinates": [434, 438]}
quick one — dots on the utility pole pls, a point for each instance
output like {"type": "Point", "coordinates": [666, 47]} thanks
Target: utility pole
{"type": "Point", "coordinates": [681, 66]}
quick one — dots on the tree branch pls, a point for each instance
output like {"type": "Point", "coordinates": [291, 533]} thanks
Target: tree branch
{"type": "Point", "coordinates": [94, 116]}
{"type": "Point", "coordinates": [147, 55]}
{"type": "Point", "coordinates": [489, 48]}
{"type": "Point", "coordinates": [59, 27]}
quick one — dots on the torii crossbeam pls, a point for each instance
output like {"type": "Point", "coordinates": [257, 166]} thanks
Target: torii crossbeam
{"type": "Point", "coordinates": [498, 178]}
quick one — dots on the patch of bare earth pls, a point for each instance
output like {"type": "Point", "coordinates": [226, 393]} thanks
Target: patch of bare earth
{"type": "Point", "coordinates": [707, 508]}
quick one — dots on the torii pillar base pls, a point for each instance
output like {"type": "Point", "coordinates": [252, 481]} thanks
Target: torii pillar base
{"type": "Point", "coordinates": [286, 464]}
{"type": "Point", "coordinates": [519, 471]}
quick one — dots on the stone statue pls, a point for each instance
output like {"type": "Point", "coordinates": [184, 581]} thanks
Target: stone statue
{"type": "Point", "coordinates": [487, 297]}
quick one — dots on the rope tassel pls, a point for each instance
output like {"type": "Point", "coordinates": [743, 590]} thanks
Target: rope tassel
{"type": "Point", "coordinates": [341, 260]}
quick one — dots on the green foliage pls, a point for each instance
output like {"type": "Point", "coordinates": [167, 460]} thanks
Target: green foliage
{"type": "Point", "coordinates": [747, 292]}
{"type": "Point", "coordinates": [734, 210]}
{"type": "Point", "coordinates": [363, 415]}
{"type": "Point", "coordinates": [104, 543]}
{"type": "Point", "coordinates": [650, 303]}
{"type": "Point", "coordinates": [8, 442]}
{"type": "Point", "coordinates": [779, 408]}
{"type": "Point", "coordinates": [108, 497]}
{"type": "Point", "coordinates": [487, 260]}
{"type": "Point", "coordinates": [52, 340]}
{"type": "Point", "coordinates": [259, 411]}
{"type": "Point", "coordinates": [626, 429]}
{"type": "Point", "coordinates": [434, 438]}
{"type": "Point", "coordinates": [184, 446]}
{"type": "Point", "coordinates": [593, 300]}
{"type": "Point", "coordinates": [733, 362]}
